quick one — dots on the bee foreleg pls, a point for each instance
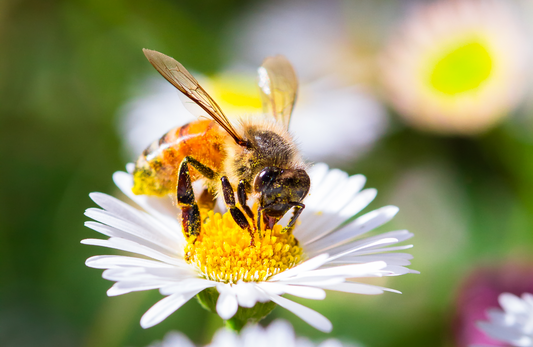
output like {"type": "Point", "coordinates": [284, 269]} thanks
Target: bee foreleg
{"type": "Point", "coordinates": [190, 213]}
{"type": "Point", "coordinates": [259, 217]}
{"type": "Point", "coordinates": [241, 195]}
{"type": "Point", "coordinates": [298, 208]}
{"type": "Point", "coordinates": [238, 216]}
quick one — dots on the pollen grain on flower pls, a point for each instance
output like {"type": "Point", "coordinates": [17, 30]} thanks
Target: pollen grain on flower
{"type": "Point", "coordinates": [223, 251]}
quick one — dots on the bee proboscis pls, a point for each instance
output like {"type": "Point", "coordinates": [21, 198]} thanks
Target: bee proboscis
{"type": "Point", "coordinates": [256, 157]}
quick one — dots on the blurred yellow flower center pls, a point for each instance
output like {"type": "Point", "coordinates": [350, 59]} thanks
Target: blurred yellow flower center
{"type": "Point", "coordinates": [223, 252]}
{"type": "Point", "coordinates": [236, 94]}
{"type": "Point", "coordinates": [462, 69]}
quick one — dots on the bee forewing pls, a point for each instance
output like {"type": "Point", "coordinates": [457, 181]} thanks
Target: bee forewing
{"type": "Point", "coordinates": [192, 107]}
{"type": "Point", "coordinates": [278, 87]}
{"type": "Point", "coordinates": [180, 78]}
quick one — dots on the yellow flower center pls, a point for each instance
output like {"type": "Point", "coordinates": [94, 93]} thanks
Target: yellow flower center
{"type": "Point", "coordinates": [462, 69]}
{"type": "Point", "coordinates": [223, 251]}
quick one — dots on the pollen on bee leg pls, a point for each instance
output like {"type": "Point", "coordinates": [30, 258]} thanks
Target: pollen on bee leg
{"type": "Point", "coordinates": [223, 251]}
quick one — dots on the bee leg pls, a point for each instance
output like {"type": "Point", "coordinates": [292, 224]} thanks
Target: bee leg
{"type": "Point", "coordinates": [241, 195]}
{"type": "Point", "coordinates": [298, 208]}
{"type": "Point", "coordinates": [206, 171]}
{"type": "Point", "coordinates": [238, 216]}
{"type": "Point", "coordinates": [259, 217]}
{"type": "Point", "coordinates": [190, 213]}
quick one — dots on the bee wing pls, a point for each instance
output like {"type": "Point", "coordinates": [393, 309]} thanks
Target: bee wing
{"type": "Point", "coordinates": [180, 78]}
{"type": "Point", "coordinates": [278, 86]}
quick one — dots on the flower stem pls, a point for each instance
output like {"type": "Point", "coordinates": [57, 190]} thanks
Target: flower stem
{"type": "Point", "coordinates": [235, 324]}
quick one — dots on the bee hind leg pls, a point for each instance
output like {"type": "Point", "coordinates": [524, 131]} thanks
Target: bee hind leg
{"type": "Point", "coordinates": [236, 213]}
{"type": "Point", "coordinates": [190, 213]}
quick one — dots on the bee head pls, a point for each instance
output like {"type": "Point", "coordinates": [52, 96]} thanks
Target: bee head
{"type": "Point", "coordinates": [280, 189]}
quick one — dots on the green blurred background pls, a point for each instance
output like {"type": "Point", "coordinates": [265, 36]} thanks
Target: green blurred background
{"type": "Point", "coordinates": [66, 68]}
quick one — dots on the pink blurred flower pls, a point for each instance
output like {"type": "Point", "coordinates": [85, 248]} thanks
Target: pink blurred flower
{"type": "Point", "coordinates": [480, 292]}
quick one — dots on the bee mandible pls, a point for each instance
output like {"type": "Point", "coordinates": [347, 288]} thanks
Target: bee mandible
{"type": "Point", "coordinates": [256, 157]}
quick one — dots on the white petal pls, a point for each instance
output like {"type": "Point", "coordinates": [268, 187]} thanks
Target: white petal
{"type": "Point", "coordinates": [313, 318]}
{"type": "Point", "coordinates": [247, 294]}
{"type": "Point", "coordinates": [330, 343]}
{"type": "Point", "coordinates": [111, 261]}
{"type": "Point", "coordinates": [317, 172]}
{"type": "Point", "coordinates": [255, 335]}
{"type": "Point", "coordinates": [134, 247]}
{"type": "Point", "coordinates": [160, 208]}
{"type": "Point", "coordinates": [120, 234]}
{"type": "Point", "coordinates": [176, 339]}
{"type": "Point", "coordinates": [327, 224]}
{"type": "Point", "coordinates": [511, 303]}
{"type": "Point", "coordinates": [394, 270]}
{"type": "Point", "coordinates": [128, 213]}
{"type": "Point", "coordinates": [359, 288]}
{"type": "Point", "coordinates": [497, 316]}
{"type": "Point", "coordinates": [304, 342]}
{"type": "Point", "coordinates": [355, 247]}
{"type": "Point", "coordinates": [359, 247]}
{"type": "Point", "coordinates": [389, 258]}
{"type": "Point", "coordinates": [226, 338]}
{"type": "Point", "coordinates": [124, 287]}
{"type": "Point", "coordinates": [306, 292]}
{"type": "Point", "coordinates": [281, 333]}
{"type": "Point", "coordinates": [381, 250]}
{"type": "Point", "coordinates": [528, 298]}
{"type": "Point", "coordinates": [318, 193]}
{"type": "Point", "coordinates": [358, 227]}
{"type": "Point", "coordinates": [504, 333]}
{"type": "Point", "coordinates": [317, 281]}
{"type": "Point", "coordinates": [347, 271]}
{"type": "Point", "coordinates": [227, 304]}
{"type": "Point", "coordinates": [307, 265]}
{"type": "Point", "coordinates": [164, 308]}
{"type": "Point", "coordinates": [148, 274]}
{"type": "Point", "coordinates": [187, 285]}
{"type": "Point", "coordinates": [301, 291]}
{"type": "Point", "coordinates": [335, 201]}
{"type": "Point", "coordinates": [145, 236]}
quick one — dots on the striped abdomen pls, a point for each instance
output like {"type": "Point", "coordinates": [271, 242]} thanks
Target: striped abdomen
{"type": "Point", "coordinates": [157, 168]}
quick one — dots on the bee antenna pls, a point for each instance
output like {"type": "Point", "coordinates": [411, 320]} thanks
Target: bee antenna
{"type": "Point", "coordinates": [245, 143]}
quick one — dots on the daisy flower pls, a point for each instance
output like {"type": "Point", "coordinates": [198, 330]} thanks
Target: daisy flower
{"type": "Point", "coordinates": [243, 283]}
{"type": "Point", "coordinates": [513, 325]}
{"type": "Point", "coordinates": [456, 67]}
{"type": "Point", "coordinates": [278, 333]}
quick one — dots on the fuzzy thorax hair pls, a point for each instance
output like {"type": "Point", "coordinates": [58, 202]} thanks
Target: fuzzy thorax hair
{"type": "Point", "coordinates": [269, 145]}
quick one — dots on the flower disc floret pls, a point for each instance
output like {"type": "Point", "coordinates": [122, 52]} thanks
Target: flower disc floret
{"type": "Point", "coordinates": [223, 251]}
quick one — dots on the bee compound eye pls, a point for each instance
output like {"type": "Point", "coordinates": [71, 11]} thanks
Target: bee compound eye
{"type": "Point", "coordinates": [265, 178]}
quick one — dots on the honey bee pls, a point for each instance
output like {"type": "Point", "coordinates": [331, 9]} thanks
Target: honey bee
{"type": "Point", "coordinates": [256, 157]}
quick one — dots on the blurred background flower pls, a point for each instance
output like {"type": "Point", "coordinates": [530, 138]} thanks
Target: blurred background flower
{"type": "Point", "coordinates": [457, 66]}
{"type": "Point", "coordinates": [514, 324]}
{"type": "Point", "coordinates": [278, 333]}
{"type": "Point", "coordinates": [480, 292]}
{"type": "Point", "coordinates": [68, 68]}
